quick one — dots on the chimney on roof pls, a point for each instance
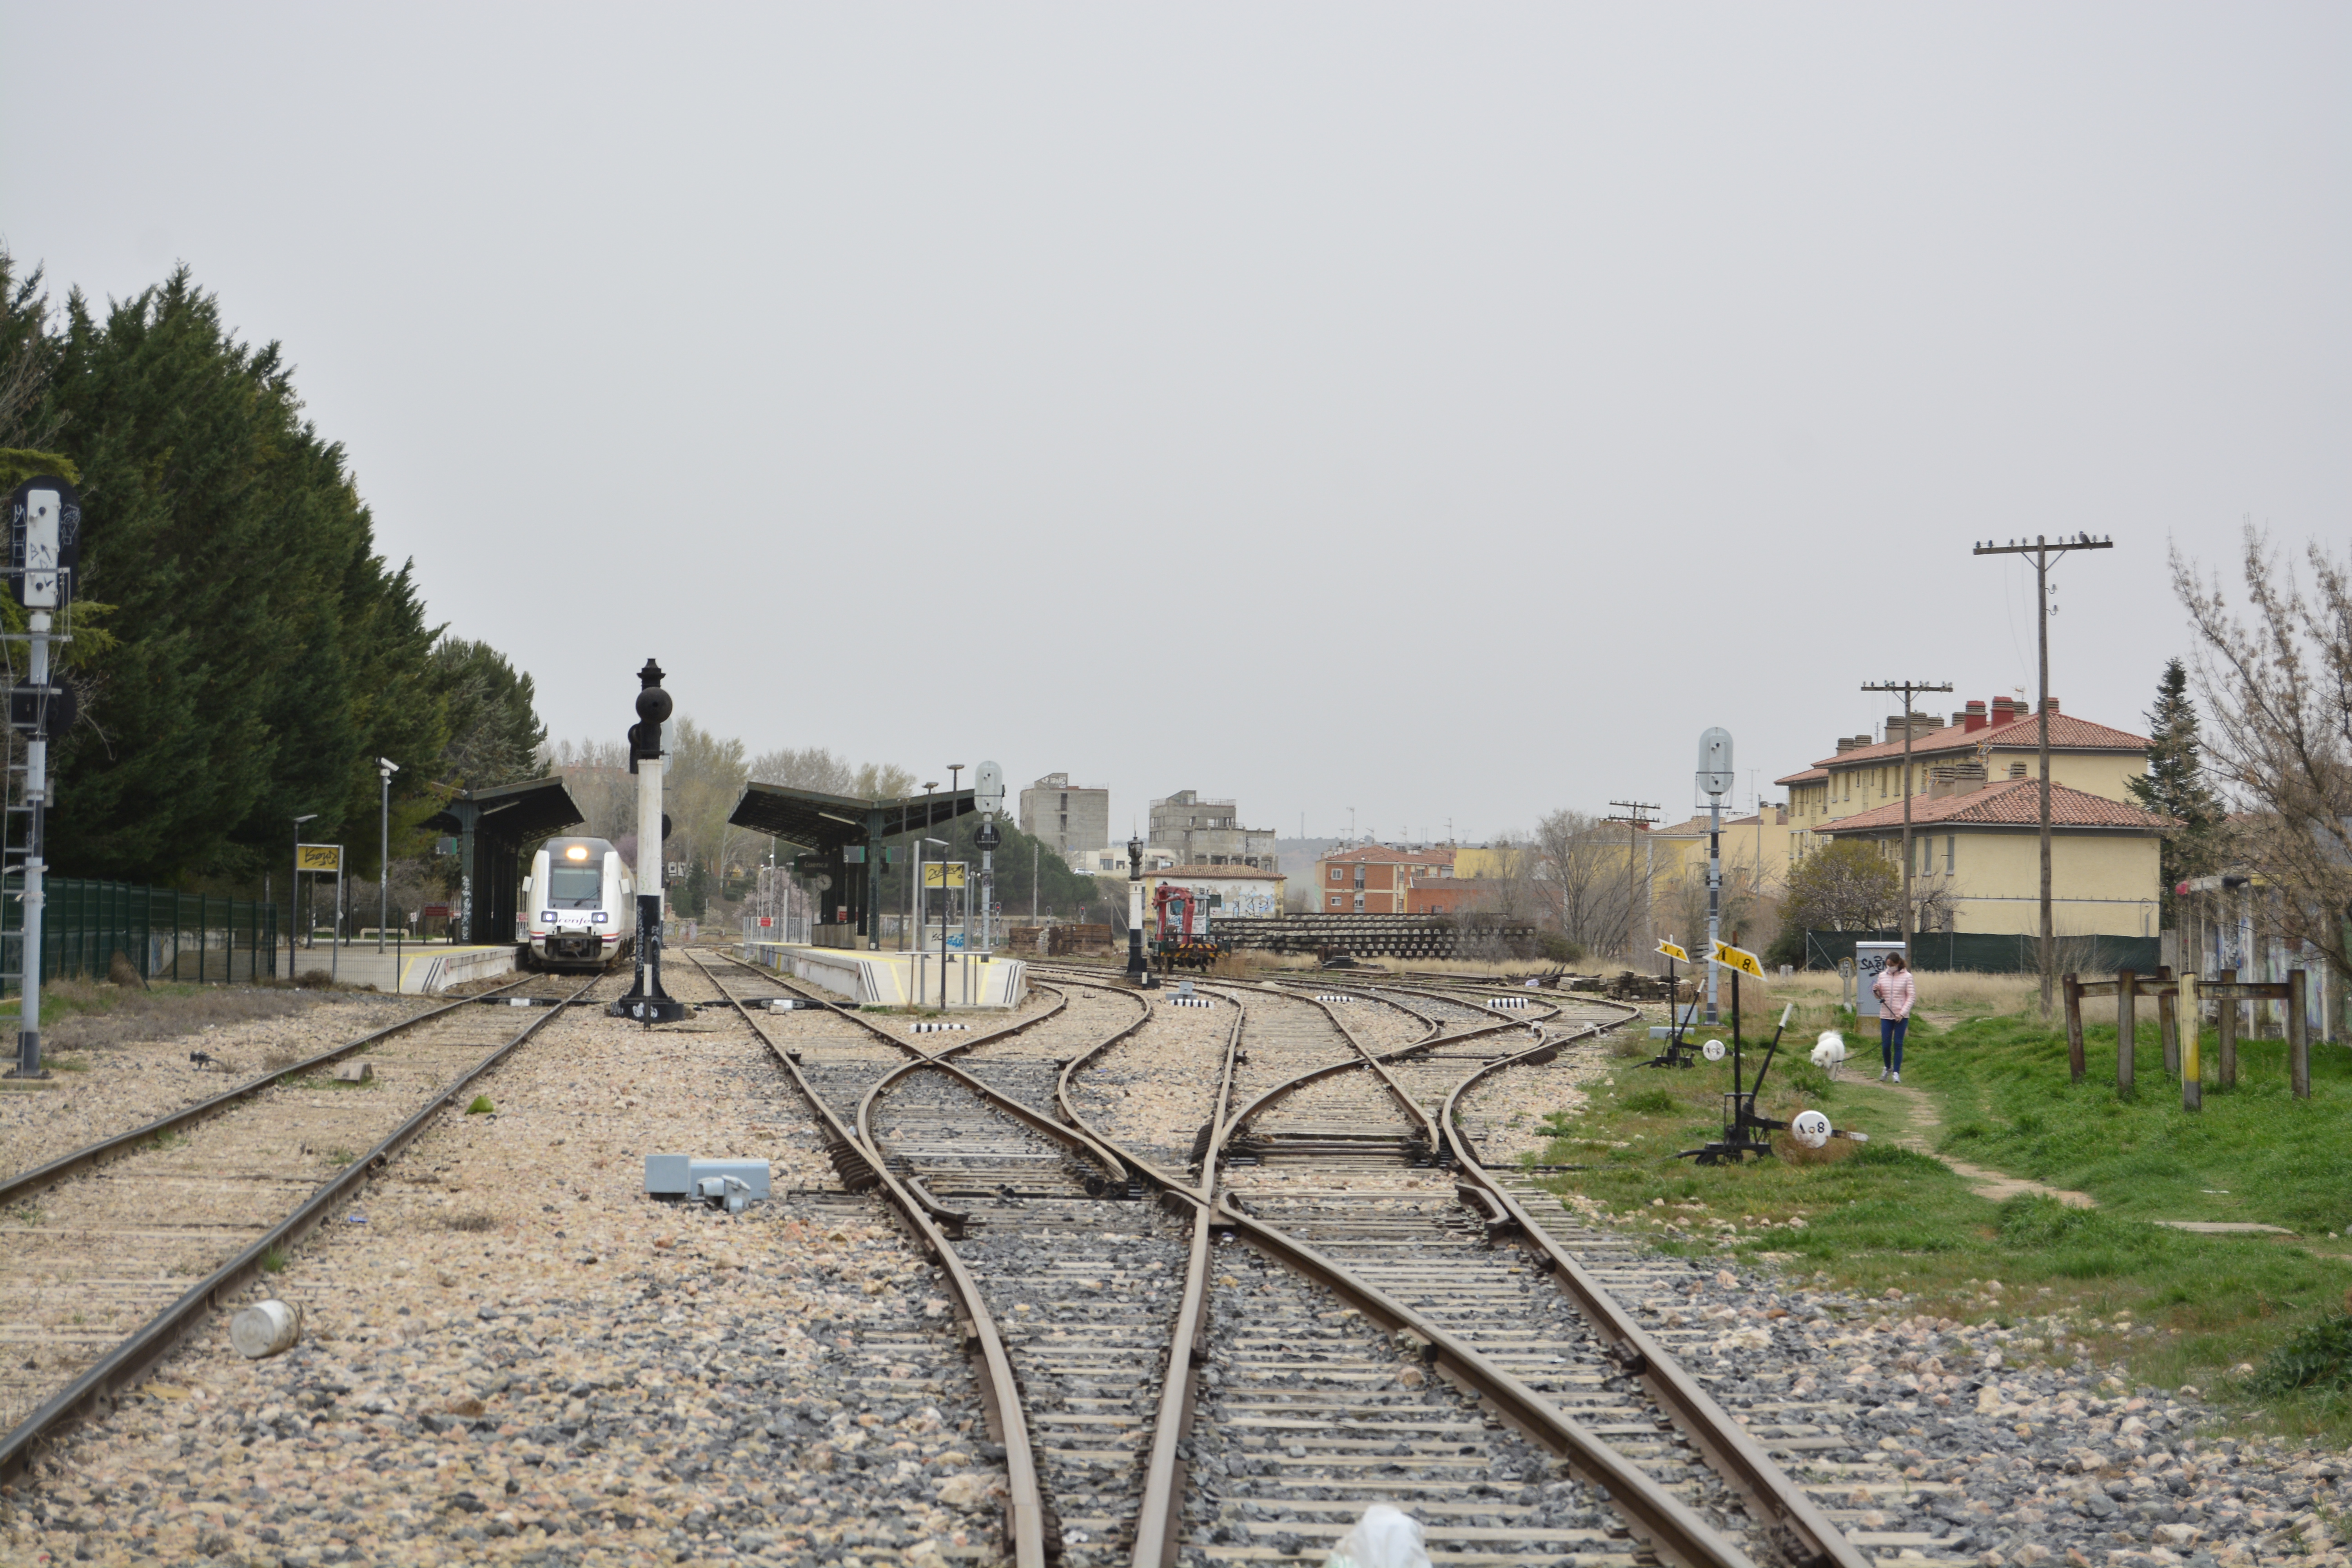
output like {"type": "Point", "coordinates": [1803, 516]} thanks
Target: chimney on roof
{"type": "Point", "coordinates": [1848, 743]}
{"type": "Point", "coordinates": [1972, 717]}
{"type": "Point", "coordinates": [1948, 779]}
{"type": "Point", "coordinates": [2005, 710]}
{"type": "Point", "coordinates": [2052, 703]}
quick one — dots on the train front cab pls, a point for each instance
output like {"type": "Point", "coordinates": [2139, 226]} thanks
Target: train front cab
{"type": "Point", "coordinates": [580, 912]}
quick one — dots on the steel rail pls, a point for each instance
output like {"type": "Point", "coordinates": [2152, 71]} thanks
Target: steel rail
{"type": "Point", "coordinates": [25, 1184]}
{"type": "Point", "coordinates": [1158, 1521]}
{"type": "Point", "coordinates": [1798, 1526]}
{"type": "Point", "coordinates": [1027, 1523]}
{"type": "Point", "coordinates": [95, 1390]}
{"type": "Point", "coordinates": [1034, 1533]}
{"type": "Point", "coordinates": [1030, 1524]}
{"type": "Point", "coordinates": [1116, 1167]}
{"type": "Point", "coordinates": [1674, 1530]}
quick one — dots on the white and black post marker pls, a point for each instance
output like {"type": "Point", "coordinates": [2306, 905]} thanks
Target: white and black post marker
{"type": "Point", "coordinates": [646, 1000]}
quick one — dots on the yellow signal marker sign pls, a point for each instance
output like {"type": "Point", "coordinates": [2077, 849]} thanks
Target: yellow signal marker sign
{"type": "Point", "coordinates": [318, 857]}
{"type": "Point", "coordinates": [938, 874]}
{"type": "Point", "coordinates": [1671, 951]}
{"type": "Point", "coordinates": [1738, 958]}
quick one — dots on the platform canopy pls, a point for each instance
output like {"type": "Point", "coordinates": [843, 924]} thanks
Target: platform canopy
{"type": "Point", "coordinates": [829, 822]}
{"type": "Point", "coordinates": [492, 826]}
{"type": "Point", "coordinates": [846, 832]}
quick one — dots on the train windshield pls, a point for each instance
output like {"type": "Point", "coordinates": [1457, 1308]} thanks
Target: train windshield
{"type": "Point", "coordinates": [574, 887]}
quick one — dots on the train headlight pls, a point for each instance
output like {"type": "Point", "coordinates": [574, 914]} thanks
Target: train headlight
{"type": "Point", "coordinates": [600, 917]}
{"type": "Point", "coordinates": [547, 917]}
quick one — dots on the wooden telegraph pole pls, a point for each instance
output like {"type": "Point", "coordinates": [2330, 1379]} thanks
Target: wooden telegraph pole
{"type": "Point", "coordinates": [2043, 551]}
{"type": "Point", "coordinates": [1636, 815]}
{"type": "Point", "coordinates": [1907, 688]}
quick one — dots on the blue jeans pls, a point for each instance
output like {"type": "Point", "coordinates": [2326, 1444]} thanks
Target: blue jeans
{"type": "Point", "coordinates": [1890, 1041]}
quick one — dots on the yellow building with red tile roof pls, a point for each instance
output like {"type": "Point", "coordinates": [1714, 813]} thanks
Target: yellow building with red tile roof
{"type": "Point", "coordinates": [1975, 816]}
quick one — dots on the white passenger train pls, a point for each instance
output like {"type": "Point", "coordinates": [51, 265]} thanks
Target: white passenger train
{"type": "Point", "coordinates": [579, 906]}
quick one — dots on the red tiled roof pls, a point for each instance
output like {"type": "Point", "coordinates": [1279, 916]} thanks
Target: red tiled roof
{"type": "Point", "coordinates": [1381, 854]}
{"type": "Point", "coordinates": [2013, 802]}
{"type": "Point", "coordinates": [1810, 775]}
{"type": "Point", "coordinates": [2067, 733]}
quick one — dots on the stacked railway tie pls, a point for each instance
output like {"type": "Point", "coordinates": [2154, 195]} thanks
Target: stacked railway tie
{"type": "Point", "coordinates": [125, 1246]}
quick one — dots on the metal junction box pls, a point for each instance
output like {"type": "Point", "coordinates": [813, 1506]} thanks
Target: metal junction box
{"type": "Point", "coordinates": [677, 1175]}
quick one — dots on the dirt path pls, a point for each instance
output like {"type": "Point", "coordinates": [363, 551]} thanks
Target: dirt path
{"type": "Point", "coordinates": [1923, 1121]}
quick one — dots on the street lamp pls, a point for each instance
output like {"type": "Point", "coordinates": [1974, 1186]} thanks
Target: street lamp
{"type": "Point", "coordinates": [294, 894]}
{"type": "Point", "coordinates": [387, 767]}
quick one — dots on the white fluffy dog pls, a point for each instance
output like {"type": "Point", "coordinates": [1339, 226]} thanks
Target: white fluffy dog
{"type": "Point", "coordinates": [1830, 1052]}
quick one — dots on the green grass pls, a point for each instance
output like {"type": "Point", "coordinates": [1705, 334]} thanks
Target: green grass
{"type": "Point", "coordinates": [2174, 1306]}
{"type": "Point", "coordinates": [2252, 1154]}
{"type": "Point", "coordinates": [273, 1260]}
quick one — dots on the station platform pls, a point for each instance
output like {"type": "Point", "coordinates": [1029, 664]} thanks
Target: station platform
{"type": "Point", "coordinates": [896, 979]}
{"type": "Point", "coordinates": [414, 969]}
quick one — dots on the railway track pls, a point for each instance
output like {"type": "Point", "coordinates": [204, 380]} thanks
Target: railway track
{"type": "Point", "coordinates": [1330, 1303]}
{"type": "Point", "coordinates": [118, 1248]}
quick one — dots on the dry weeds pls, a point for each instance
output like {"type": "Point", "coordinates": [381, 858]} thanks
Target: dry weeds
{"type": "Point", "coordinates": [97, 1014]}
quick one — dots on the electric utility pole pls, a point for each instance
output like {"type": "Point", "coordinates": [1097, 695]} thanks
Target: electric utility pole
{"type": "Point", "coordinates": [1636, 815]}
{"type": "Point", "coordinates": [1907, 688]}
{"type": "Point", "coordinates": [2043, 551]}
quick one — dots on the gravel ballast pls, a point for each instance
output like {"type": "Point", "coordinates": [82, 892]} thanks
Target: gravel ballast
{"type": "Point", "coordinates": [512, 1355]}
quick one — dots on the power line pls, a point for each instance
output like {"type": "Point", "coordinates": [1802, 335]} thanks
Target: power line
{"type": "Point", "coordinates": [1636, 815]}
{"type": "Point", "coordinates": [2043, 551]}
{"type": "Point", "coordinates": [1907, 688]}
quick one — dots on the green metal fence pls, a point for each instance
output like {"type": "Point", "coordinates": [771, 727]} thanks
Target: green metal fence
{"type": "Point", "coordinates": [1943, 950]}
{"type": "Point", "coordinates": [165, 935]}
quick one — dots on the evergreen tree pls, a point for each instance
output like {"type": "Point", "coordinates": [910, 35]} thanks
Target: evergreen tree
{"type": "Point", "coordinates": [2174, 786]}
{"type": "Point", "coordinates": [243, 653]}
{"type": "Point", "coordinates": [494, 733]}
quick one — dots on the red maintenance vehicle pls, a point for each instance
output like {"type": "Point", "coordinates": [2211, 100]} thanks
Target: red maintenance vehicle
{"type": "Point", "coordinates": [1179, 929]}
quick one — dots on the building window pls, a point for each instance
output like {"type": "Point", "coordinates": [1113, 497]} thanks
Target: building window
{"type": "Point", "coordinates": [2017, 770]}
{"type": "Point", "coordinates": [1951, 851]}
{"type": "Point", "coordinates": [1335, 900]}
{"type": "Point", "coordinates": [1360, 903]}
{"type": "Point", "coordinates": [1335, 873]}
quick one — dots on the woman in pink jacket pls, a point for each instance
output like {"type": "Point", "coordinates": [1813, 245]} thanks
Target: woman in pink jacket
{"type": "Point", "coordinates": [1895, 993]}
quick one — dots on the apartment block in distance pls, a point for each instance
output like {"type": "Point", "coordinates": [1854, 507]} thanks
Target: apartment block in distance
{"type": "Point", "coordinates": [1068, 819]}
{"type": "Point", "coordinates": [1205, 832]}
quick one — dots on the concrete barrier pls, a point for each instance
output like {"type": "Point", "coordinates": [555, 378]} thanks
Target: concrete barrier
{"type": "Point", "coordinates": [897, 979]}
{"type": "Point", "coordinates": [410, 971]}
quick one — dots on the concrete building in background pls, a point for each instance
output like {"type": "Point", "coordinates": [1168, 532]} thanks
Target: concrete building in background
{"type": "Point", "coordinates": [1068, 819]}
{"type": "Point", "coordinates": [1111, 859]}
{"type": "Point", "coordinates": [1207, 833]}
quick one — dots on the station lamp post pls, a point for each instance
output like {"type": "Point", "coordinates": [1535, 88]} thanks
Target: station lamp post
{"type": "Point", "coordinates": [294, 896]}
{"type": "Point", "coordinates": [387, 767]}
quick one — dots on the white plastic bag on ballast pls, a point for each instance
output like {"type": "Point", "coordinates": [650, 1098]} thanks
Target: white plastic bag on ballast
{"type": "Point", "coordinates": [1384, 1538]}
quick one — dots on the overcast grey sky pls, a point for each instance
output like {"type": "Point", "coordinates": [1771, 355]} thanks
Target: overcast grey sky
{"type": "Point", "coordinates": [1444, 410]}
